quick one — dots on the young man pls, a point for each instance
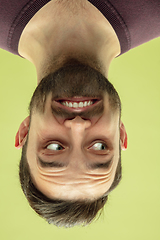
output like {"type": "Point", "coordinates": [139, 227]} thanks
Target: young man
{"type": "Point", "coordinates": [73, 138]}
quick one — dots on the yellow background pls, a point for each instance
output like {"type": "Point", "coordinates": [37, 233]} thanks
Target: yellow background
{"type": "Point", "coordinates": [133, 209]}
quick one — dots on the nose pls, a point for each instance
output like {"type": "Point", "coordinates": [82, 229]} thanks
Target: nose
{"type": "Point", "coordinates": [78, 123]}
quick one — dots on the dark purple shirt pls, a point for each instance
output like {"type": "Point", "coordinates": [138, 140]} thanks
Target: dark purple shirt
{"type": "Point", "coordinates": [134, 21]}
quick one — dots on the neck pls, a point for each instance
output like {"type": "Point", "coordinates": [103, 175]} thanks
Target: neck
{"type": "Point", "coordinates": [59, 32]}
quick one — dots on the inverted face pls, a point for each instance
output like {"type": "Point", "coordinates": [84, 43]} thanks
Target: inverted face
{"type": "Point", "coordinates": [73, 146]}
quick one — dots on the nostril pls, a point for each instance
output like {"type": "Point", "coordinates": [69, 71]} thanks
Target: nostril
{"type": "Point", "coordinates": [70, 118]}
{"type": "Point", "coordinates": [77, 117]}
{"type": "Point", "coordinates": [77, 123]}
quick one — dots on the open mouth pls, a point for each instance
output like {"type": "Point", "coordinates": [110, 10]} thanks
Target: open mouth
{"type": "Point", "coordinates": [77, 104]}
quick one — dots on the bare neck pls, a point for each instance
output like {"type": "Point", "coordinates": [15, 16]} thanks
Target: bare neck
{"type": "Point", "coordinates": [59, 31]}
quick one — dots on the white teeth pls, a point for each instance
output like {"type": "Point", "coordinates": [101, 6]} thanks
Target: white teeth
{"type": "Point", "coordinates": [70, 104]}
{"type": "Point", "coordinates": [85, 104]}
{"type": "Point", "coordinates": [77, 105]}
{"type": "Point", "coordinates": [80, 104]}
{"type": "Point", "coordinates": [89, 103]}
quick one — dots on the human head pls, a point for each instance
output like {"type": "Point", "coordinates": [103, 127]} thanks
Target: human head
{"type": "Point", "coordinates": [68, 82]}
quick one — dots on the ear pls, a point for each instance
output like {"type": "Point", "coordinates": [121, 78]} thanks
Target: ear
{"type": "Point", "coordinates": [123, 137]}
{"type": "Point", "coordinates": [21, 135]}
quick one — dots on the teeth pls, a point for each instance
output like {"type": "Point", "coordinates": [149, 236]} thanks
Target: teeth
{"type": "Point", "coordinates": [80, 104]}
{"type": "Point", "coordinates": [70, 104]}
{"type": "Point", "coordinates": [85, 104]}
{"type": "Point", "coordinates": [89, 103]}
{"type": "Point", "coordinates": [77, 105]}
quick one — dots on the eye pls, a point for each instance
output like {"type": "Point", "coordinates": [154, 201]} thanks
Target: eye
{"type": "Point", "coordinates": [99, 146]}
{"type": "Point", "coordinates": [55, 147]}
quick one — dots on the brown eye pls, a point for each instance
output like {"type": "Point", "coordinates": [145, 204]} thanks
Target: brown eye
{"type": "Point", "coordinates": [99, 146]}
{"type": "Point", "coordinates": [55, 147]}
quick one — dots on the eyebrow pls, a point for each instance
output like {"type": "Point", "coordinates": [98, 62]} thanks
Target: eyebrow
{"type": "Point", "coordinates": [92, 166]}
{"type": "Point", "coordinates": [45, 164]}
{"type": "Point", "coordinates": [98, 165]}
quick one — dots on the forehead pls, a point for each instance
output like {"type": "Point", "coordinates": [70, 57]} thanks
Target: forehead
{"type": "Point", "coordinates": [70, 185]}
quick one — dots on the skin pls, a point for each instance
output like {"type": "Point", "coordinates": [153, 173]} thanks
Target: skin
{"type": "Point", "coordinates": [74, 178]}
{"type": "Point", "coordinates": [89, 38]}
